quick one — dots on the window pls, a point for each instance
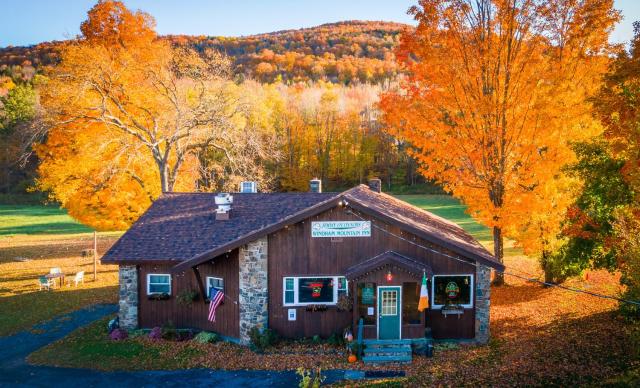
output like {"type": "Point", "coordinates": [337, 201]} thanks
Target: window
{"type": "Point", "coordinates": [452, 290]}
{"type": "Point", "coordinates": [342, 286]}
{"type": "Point", "coordinates": [217, 283]}
{"type": "Point", "coordinates": [366, 302]}
{"type": "Point", "coordinates": [158, 284]}
{"type": "Point", "coordinates": [313, 290]}
{"type": "Point", "coordinates": [410, 300]}
{"type": "Point", "coordinates": [248, 187]}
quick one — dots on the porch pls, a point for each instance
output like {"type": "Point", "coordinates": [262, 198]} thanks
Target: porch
{"type": "Point", "coordinates": [386, 291]}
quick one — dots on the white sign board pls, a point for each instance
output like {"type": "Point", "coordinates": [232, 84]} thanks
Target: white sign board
{"type": "Point", "coordinates": [341, 229]}
{"type": "Point", "coordinates": [292, 314]}
{"type": "Point", "coordinates": [370, 311]}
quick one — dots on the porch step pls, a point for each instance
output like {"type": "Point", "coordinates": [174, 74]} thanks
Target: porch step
{"type": "Point", "coordinates": [386, 359]}
{"type": "Point", "coordinates": [386, 351]}
{"type": "Point", "coordinates": [381, 343]}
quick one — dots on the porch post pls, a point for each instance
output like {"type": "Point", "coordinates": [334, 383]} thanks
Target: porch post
{"type": "Point", "coordinates": [482, 303]}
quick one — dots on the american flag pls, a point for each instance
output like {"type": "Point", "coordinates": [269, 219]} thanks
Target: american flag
{"type": "Point", "coordinates": [216, 298]}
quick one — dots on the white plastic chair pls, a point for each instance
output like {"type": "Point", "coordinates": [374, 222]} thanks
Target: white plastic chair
{"type": "Point", "coordinates": [79, 278]}
{"type": "Point", "coordinates": [45, 283]}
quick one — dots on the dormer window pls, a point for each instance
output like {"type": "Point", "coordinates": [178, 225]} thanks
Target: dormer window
{"type": "Point", "coordinates": [248, 187]}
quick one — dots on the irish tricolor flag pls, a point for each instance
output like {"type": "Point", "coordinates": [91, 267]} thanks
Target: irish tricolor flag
{"type": "Point", "coordinates": [424, 294]}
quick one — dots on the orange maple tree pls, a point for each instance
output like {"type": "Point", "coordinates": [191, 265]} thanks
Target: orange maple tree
{"type": "Point", "coordinates": [496, 91]}
{"type": "Point", "coordinates": [127, 116]}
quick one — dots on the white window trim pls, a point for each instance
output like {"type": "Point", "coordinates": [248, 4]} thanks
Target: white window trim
{"type": "Point", "coordinates": [435, 306]}
{"type": "Point", "coordinates": [149, 283]}
{"type": "Point", "coordinates": [296, 289]}
{"type": "Point", "coordinates": [207, 283]}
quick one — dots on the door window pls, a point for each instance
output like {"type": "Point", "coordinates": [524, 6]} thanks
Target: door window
{"type": "Point", "coordinates": [389, 303]}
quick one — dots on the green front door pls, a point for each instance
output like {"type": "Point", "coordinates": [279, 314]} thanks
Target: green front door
{"type": "Point", "coordinates": [389, 312]}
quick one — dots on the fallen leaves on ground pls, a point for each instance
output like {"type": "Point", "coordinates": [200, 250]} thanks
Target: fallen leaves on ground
{"type": "Point", "coordinates": [540, 336]}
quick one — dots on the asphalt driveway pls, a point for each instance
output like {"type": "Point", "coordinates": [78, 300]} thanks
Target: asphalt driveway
{"type": "Point", "coordinates": [15, 371]}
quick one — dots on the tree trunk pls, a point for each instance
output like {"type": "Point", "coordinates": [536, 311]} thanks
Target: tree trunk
{"type": "Point", "coordinates": [546, 267]}
{"type": "Point", "coordinates": [498, 251]}
{"type": "Point", "coordinates": [164, 177]}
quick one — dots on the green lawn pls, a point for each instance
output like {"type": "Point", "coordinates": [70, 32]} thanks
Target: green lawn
{"type": "Point", "coordinates": [37, 219]}
{"type": "Point", "coordinates": [34, 239]}
{"type": "Point", "coordinates": [450, 208]}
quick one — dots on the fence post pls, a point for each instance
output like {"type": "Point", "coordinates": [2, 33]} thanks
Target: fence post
{"type": "Point", "coordinates": [95, 254]}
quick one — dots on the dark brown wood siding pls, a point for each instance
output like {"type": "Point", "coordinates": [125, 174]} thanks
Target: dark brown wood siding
{"type": "Point", "coordinates": [153, 313]}
{"type": "Point", "coordinates": [292, 252]}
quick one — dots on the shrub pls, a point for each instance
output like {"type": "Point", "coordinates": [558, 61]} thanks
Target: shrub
{"type": "Point", "coordinates": [169, 331]}
{"type": "Point", "coordinates": [184, 335]}
{"type": "Point", "coordinates": [262, 339]}
{"type": "Point", "coordinates": [119, 334]}
{"type": "Point", "coordinates": [336, 340]}
{"type": "Point", "coordinates": [137, 333]}
{"type": "Point", "coordinates": [309, 379]}
{"type": "Point", "coordinates": [155, 333]}
{"type": "Point", "coordinates": [316, 339]}
{"type": "Point", "coordinates": [205, 337]}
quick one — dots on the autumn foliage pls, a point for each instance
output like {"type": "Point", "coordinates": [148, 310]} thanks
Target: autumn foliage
{"type": "Point", "coordinates": [496, 92]}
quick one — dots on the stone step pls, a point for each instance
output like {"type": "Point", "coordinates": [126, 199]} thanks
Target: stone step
{"type": "Point", "coordinates": [386, 359]}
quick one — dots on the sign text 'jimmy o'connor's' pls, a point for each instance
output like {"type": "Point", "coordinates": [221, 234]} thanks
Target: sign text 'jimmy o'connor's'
{"type": "Point", "coordinates": [341, 229]}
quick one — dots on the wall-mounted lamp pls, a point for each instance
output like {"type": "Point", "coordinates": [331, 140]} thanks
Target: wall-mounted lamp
{"type": "Point", "coordinates": [389, 277]}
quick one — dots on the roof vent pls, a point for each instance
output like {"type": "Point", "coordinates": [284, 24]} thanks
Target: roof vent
{"type": "Point", "coordinates": [248, 187]}
{"type": "Point", "coordinates": [315, 185]}
{"type": "Point", "coordinates": [375, 184]}
{"type": "Point", "coordinates": [224, 201]}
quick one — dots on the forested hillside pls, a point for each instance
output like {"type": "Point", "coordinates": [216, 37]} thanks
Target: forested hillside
{"type": "Point", "coordinates": [338, 52]}
{"type": "Point", "coordinates": [312, 91]}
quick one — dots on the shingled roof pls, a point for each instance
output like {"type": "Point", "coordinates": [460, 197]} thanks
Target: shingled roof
{"type": "Point", "coordinates": [420, 222]}
{"type": "Point", "coordinates": [181, 227]}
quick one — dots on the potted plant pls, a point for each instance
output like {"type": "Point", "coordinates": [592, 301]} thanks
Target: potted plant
{"type": "Point", "coordinates": [162, 296]}
{"type": "Point", "coordinates": [345, 303]}
{"type": "Point", "coordinates": [186, 297]}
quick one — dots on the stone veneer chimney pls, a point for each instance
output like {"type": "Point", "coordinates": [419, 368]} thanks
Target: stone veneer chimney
{"type": "Point", "coordinates": [128, 296]}
{"type": "Point", "coordinates": [253, 285]}
{"type": "Point", "coordinates": [375, 184]}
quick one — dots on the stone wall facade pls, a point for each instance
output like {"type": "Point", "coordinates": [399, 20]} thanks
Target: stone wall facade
{"type": "Point", "coordinates": [254, 283]}
{"type": "Point", "coordinates": [482, 302]}
{"type": "Point", "coordinates": [128, 296]}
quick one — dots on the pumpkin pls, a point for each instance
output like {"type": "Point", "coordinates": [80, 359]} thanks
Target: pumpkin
{"type": "Point", "coordinates": [352, 358]}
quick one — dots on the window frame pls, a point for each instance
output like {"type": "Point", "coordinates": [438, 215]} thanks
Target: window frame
{"type": "Point", "coordinates": [296, 289]}
{"type": "Point", "coordinates": [470, 305]}
{"type": "Point", "coordinates": [149, 283]}
{"type": "Point", "coordinates": [208, 290]}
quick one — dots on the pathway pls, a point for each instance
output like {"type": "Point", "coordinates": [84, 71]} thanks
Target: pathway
{"type": "Point", "coordinates": [15, 371]}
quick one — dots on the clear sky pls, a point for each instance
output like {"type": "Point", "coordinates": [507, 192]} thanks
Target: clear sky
{"type": "Point", "coordinates": [25, 22]}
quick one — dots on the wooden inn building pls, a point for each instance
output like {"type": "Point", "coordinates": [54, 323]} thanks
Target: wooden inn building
{"type": "Point", "coordinates": [302, 264]}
